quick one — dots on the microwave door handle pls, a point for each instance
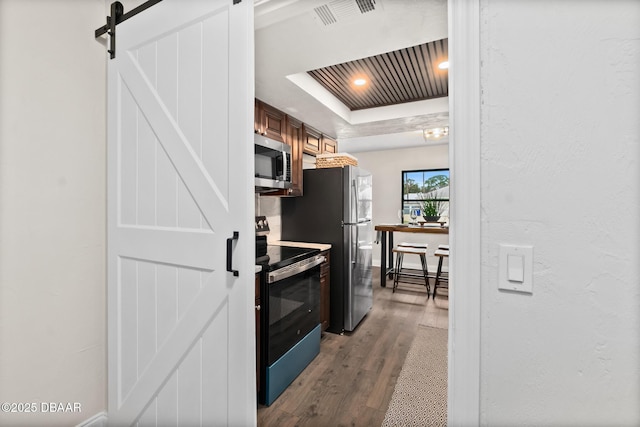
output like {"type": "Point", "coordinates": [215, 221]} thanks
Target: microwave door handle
{"type": "Point", "coordinates": [284, 165]}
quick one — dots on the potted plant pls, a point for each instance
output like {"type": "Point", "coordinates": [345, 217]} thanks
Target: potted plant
{"type": "Point", "coordinates": [432, 208]}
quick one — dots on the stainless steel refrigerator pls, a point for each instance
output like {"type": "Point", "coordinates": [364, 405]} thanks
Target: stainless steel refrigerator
{"type": "Point", "coordinates": [336, 208]}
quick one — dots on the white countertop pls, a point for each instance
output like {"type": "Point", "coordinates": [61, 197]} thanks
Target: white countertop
{"type": "Point", "coordinates": [321, 246]}
{"type": "Point", "coordinates": [258, 268]}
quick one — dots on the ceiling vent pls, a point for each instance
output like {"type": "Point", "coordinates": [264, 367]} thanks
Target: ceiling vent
{"type": "Point", "coordinates": [344, 10]}
{"type": "Point", "coordinates": [366, 5]}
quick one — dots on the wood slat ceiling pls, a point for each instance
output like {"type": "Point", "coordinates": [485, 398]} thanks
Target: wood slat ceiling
{"type": "Point", "coordinates": [404, 75]}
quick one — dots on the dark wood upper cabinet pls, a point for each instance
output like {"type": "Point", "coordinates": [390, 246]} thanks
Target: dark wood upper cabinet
{"type": "Point", "coordinates": [273, 123]}
{"type": "Point", "coordinates": [329, 145]}
{"type": "Point", "coordinates": [294, 136]}
{"type": "Point", "coordinates": [269, 121]}
{"type": "Point", "coordinates": [311, 140]}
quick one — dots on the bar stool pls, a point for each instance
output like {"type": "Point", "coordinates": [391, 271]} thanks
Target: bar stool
{"type": "Point", "coordinates": [414, 245]}
{"type": "Point", "coordinates": [419, 249]}
{"type": "Point", "coordinates": [423, 258]}
{"type": "Point", "coordinates": [441, 276]}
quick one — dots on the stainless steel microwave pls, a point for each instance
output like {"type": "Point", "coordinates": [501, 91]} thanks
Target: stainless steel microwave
{"type": "Point", "coordinates": [272, 164]}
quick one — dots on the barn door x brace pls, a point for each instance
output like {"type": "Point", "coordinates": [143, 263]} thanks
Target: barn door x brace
{"type": "Point", "coordinates": [118, 16]}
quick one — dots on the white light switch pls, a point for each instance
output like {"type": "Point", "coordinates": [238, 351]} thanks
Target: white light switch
{"type": "Point", "coordinates": [516, 268]}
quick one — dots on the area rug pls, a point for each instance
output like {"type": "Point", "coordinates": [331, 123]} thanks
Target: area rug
{"type": "Point", "coordinates": [420, 395]}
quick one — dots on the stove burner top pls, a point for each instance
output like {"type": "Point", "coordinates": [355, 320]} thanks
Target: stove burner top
{"type": "Point", "coordinates": [280, 256]}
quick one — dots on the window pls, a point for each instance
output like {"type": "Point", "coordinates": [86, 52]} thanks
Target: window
{"type": "Point", "coordinates": [425, 195]}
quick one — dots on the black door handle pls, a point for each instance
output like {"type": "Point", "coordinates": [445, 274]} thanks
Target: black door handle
{"type": "Point", "coordinates": [230, 253]}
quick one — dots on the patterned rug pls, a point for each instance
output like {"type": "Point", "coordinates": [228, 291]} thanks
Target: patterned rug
{"type": "Point", "coordinates": [420, 395]}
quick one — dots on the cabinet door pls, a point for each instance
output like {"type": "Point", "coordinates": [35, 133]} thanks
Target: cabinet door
{"type": "Point", "coordinates": [271, 123]}
{"type": "Point", "coordinates": [329, 145]}
{"type": "Point", "coordinates": [294, 138]}
{"type": "Point", "coordinates": [312, 140]}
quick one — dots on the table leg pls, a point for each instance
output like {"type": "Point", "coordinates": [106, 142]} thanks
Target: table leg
{"type": "Point", "coordinates": [390, 249]}
{"type": "Point", "coordinates": [383, 260]}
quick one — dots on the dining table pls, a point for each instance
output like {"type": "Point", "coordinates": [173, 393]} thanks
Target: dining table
{"type": "Point", "coordinates": [386, 242]}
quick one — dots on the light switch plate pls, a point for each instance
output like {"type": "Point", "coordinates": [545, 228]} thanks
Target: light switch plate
{"type": "Point", "coordinates": [515, 270]}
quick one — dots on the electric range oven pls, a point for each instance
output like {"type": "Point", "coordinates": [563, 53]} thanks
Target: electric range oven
{"type": "Point", "coordinates": [290, 315]}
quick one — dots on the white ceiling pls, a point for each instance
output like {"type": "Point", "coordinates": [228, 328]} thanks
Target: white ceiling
{"type": "Point", "coordinates": [290, 39]}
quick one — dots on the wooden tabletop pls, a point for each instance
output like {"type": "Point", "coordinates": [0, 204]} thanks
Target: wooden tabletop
{"type": "Point", "coordinates": [412, 228]}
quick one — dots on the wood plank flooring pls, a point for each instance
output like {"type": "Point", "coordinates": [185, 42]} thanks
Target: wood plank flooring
{"type": "Point", "coordinates": [351, 381]}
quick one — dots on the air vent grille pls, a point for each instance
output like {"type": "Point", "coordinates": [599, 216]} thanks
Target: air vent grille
{"type": "Point", "coordinates": [366, 5]}
{"type": "Point", "coordinates": [325, 15]}
{"type": "Point", "coordinates": [344, 10]}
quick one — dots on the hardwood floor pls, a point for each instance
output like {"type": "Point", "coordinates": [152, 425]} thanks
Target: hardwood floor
{"type": "Point", "coordinates": [351, 381]}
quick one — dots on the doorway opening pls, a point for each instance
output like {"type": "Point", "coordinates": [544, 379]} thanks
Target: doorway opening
{"type": "Point", "coordinates": [463, 321]}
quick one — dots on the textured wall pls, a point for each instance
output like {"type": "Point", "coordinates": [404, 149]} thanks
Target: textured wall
{"type": "Point", "coordinates": [560, 171]}
{"type": "Point", "coordinates": [52, 209]}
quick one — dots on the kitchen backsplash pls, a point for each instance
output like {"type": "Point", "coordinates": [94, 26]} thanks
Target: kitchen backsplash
{"type": "Point", "coordinates": [269, 206]}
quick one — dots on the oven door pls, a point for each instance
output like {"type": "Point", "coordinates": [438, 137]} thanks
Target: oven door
{"type": "Point", "coordinates": [293, 311]}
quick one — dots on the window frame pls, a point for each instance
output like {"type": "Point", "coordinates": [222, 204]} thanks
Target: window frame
{"type": "Point", "coordinates": [402, 193]}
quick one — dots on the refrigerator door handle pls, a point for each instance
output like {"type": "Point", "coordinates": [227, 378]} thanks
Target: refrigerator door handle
{"type": "Point", "coordinates": [352, 245]}
{"type": "Point", "coordinates": [354, 184]}
{"type": "Point", "coordinates": [357, 245]}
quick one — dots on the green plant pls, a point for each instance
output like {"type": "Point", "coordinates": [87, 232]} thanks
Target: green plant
{"type": "Point", "coordinates": [431, 206]}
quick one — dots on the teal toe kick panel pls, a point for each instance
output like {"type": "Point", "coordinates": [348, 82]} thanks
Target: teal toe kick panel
{"type": "Point", "coordinates": [288, 367]}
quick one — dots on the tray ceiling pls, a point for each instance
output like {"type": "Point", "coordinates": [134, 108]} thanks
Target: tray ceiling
{"type": "Point", "coordinates": [400, 76]}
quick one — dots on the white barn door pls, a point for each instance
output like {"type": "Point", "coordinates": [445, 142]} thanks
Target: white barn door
{"type": "Point", "coordinates": [180, 167]}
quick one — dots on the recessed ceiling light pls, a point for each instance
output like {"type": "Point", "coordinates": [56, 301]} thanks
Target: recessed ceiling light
{"type": "Point", "coordinates": [359, 82]}
{"type": "Point", "coordinates": [443, 65]}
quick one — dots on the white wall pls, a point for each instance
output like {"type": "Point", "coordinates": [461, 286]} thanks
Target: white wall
{"type": "Point", "coordinates": [52, 208]}
{"type": "Point", "coordinates": [386, 167]}
{"type": "Point", "coordinates": [560, 171]}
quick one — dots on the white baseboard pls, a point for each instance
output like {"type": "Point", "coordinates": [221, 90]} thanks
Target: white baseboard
{"type": "Point", "coordinates": [98, 420]}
